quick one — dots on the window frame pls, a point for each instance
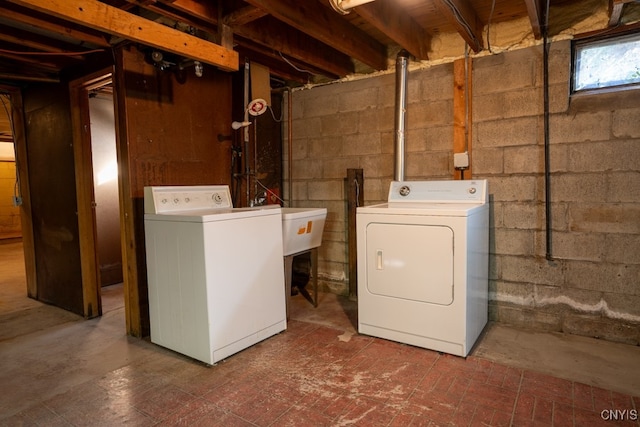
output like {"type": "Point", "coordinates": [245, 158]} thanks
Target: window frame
{"type": "Point", "coordinates": [576, 44]}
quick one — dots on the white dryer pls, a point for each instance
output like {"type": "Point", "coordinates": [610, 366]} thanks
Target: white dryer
{"type": "Point", "coordinates": [423, 264]}
{"type": "Point", "coordinates": [215, 276]}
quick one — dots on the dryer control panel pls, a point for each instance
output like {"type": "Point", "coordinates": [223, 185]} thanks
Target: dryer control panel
{"type": "Point", "coordinates": [186, 198]}
{"type": "Point", "coordinates": [448, 191]}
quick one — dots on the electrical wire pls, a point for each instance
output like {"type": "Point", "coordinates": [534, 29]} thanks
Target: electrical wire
{"type": "Point", "coordinates": [293, 65]}
{"type": "Point", "coordinates": [273, 115]}
{"type": "Point", "coordinates": [458, 17]}
{"type": "Point", "coordinates": [268, 190]}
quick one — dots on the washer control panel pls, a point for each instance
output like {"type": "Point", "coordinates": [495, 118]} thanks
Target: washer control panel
{"type": "Point", "coordinates": [186, 198]}
{"type": "Point", "coordinates": [450, 191]}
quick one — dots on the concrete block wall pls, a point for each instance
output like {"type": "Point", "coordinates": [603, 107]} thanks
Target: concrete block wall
{"type": "Point", "coordinates": [591, 284]}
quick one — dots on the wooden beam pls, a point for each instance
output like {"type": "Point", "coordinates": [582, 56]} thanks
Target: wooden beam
{"type": "Point", "coordinates": [393, 21]}
{"type": "Point", "coordinates": [244, 16]}
{"type": "Point", "coordinates": [201, 16]}
{"type": "Point", "coordinates": [202, 9]}
{"type": "Point", "coordinates": [37, 42]}
{"type": "Point", "coordinates": [37, 62]}
{"type": "Point", "coordinates": [324, 24]}
{"type": "Point", "coordinates": [61, 30]}
{"type": "Point", "coordinates": [536, 16]}
{"type": "Point", "coordinates": [26, 212]}
{"type": "Point", "coordinates": [275, 64]}
{"type": "Point", "coordinates": [464, 18]}
{"type": "Point", "coordinates": [615, 11]}
{"type": "Point", "coordinates": [81, 123]}
{"type": "Point", "coordinates": [462, 118]}
{"type": "Point", "coordinates": [275, 36]}
{"type": "Point", "coordinates": [100, 16]}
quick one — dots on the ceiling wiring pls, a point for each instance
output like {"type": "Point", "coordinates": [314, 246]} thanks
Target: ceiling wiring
{"type": "Point", "coordinates": [293, 65]}
{"type": "Point", "coordinates": [460, 19]}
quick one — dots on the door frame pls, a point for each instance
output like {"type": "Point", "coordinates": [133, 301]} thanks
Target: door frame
{"type": "Point", "coordinates": [22, 167]}
{"type": "Point", "coordinates": [81, 124]}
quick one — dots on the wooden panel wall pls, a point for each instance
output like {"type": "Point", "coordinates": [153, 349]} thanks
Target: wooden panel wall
{"type": "Point", "coordinates": [168, 127]}
{"type": "Point", "coordinates": [53, 195]}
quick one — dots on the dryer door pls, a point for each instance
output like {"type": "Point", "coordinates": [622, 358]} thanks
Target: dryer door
{"type": "Point", "coordinates": [410, 261]}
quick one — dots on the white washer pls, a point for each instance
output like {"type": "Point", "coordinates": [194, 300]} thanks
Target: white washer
{"type": "Point", "coordinates": [216, 282]}
{"type": "Point", "coordinates": [423, 261]}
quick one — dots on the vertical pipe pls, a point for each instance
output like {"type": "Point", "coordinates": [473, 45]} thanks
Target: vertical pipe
{"type": "Point", "coordinates": [255, 161]}
{"type": "Point", "coordinates": [402, 61]}
{"type": "Point", "coordinates": [547, 165]}
{"type": "Point", "coordinates": [290, 148]}
{"type": "Point", "coordinates": [355, 197]}
{"type": "Point", "coordinates": [247, 170]}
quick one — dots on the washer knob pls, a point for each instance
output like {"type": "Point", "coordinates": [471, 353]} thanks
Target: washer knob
{"type": "Point", "coordinates": [472, 190]}
{"type": "Point", "coordinates": [404, 190]}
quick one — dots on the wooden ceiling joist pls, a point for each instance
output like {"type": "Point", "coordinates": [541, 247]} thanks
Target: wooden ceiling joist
{"type": "Point", "coordinates": [274, 63]}
{"type": "Point", "coordinates": [464, 18]}
{"type": "Point", "coordinates": [244, 16]}
{"type": "Point", "coordinates": [55, 28]}
{"type": "Point", "coordinates": [272, 35]}
{"type": "Point", "coordinates": [112, 20]}
{"type": "Point", "coordinates": [40, 45]}
{"type": "Point", "coordinates": [615, 11]}
{"type": "Point", "coordinates": [536, 17]}
{"type": "Point", "coordinates": [400, 27]}
{"type": "Point", "coordinates": [206, 10]}
{"type": "Point", "coordinates": [328, 27]}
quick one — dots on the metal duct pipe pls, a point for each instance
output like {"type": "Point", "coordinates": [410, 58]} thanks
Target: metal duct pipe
{"type": "Point", "coordinates": [402, 61]}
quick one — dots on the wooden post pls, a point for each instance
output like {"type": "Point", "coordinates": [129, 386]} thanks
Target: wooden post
{"type": "Point", "coordinates": [355, 198]}
{"type": "Point", "coordinates": [462, 119]}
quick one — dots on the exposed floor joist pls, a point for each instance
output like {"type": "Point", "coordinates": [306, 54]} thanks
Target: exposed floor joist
{"type": "Point", "coordinates": [103, 17]}
{"type": "Point", "coordinates": [536, 14]}
{"type": "Point", "coordinates": [327, 27]}
{"type": "Point", "coordinates": [400, 27]}
{"type": "Point", "coordinates": [465, 20]}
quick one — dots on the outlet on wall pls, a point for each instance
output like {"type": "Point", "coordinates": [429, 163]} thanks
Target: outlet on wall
{"type": "Point", "coordinates": [461, 160]}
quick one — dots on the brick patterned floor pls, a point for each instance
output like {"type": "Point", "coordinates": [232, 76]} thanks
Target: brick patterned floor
{"type": "Point", "coordinates": [313, 375]}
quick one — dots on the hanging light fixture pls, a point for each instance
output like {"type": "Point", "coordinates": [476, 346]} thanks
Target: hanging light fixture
{"type": "Point", "coordinates": [255, 108]}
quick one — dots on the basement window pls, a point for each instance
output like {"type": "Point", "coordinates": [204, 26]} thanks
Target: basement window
{"type": "Point", "coordinates": [606, 64]}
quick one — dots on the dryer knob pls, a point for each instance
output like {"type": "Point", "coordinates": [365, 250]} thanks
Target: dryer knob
{"type": "Point", "coordinates": [404, 191]}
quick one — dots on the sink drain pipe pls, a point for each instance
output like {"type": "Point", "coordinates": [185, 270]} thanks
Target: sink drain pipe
{"type": "Point", "coordinates": [402, 61]}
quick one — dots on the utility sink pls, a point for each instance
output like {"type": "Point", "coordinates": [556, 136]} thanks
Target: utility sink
{"type": "Point", "coordinates": [302, 229]}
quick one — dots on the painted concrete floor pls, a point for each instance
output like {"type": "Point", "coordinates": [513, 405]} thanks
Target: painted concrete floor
{"type": "Point", "coordinates": [57, 369]}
